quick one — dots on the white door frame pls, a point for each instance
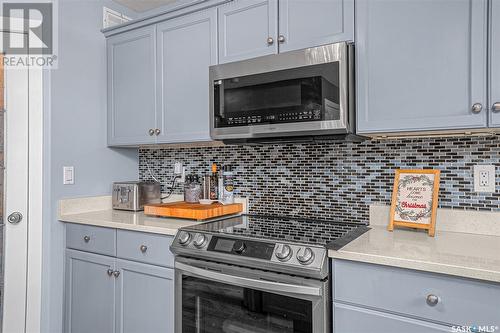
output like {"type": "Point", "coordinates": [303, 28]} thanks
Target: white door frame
{"type": "Point", "coordinates": [24, 118]}
{"type": "Point", "coordinates": [35, 201]}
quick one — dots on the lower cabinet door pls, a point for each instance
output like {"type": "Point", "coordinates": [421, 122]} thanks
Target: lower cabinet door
{"type": "Point", "coordinates": [144, 298]}
{"type": "Point", "coordinates": [89, 293]}
{"type": "Point", "coordinates": [349, 319]}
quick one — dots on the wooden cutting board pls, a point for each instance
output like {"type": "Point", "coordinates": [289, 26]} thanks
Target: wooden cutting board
{"type": "Point", "coordinates": [192, 211]}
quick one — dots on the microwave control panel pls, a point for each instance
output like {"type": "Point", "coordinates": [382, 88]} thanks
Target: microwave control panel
{"type": "Point", "coordinates": [310, 115]}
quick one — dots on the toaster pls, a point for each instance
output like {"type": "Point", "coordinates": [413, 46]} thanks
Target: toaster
{"type": "Point", "coordinates": [134, 195]}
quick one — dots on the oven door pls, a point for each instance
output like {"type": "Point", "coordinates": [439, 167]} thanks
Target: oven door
{"type": "Point", "coordinates": [211, 297]}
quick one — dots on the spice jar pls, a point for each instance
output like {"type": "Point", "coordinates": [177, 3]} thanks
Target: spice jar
{"type": "Point", "coordinates": [192, 189]}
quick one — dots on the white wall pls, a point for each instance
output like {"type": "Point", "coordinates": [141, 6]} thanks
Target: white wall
{"type": "Point", "coordinates": [75, 127]}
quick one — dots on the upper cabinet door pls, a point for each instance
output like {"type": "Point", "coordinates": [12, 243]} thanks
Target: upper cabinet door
{"type": "Point", "coordinates": [247, 29]}
{"type": "Point", "coordinates": [421, 65]}
{"type": "Point", "coordinates": [131, 87]}
{"type": "Point", "coordinates": [187, 46]}
{"type": "Point", "coordinates": [307, 23]}
{"type": "Point", "coordinates": [494, 72]}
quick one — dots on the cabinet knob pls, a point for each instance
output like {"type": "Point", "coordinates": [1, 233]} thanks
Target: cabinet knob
{"type": "Point", "coordinates": [110, 272]}
{"type": "Point", "coordinates": [477, 107]}
{"type": "Point", "coordinates": [143, 248]}
{"type": "Point", "coordinates": [151, 132]}
{"type": "Point", "coordinates": [281, 39]}
{"type": "Point", "coordinates": [432, 300]}
{"type": "Point", "coordinates": [496, 107]}
{"type": "Point", "coordinates": [116, 274]}
{"type": "Point", "coordinates": [157, 131]}
{"type": "Point", "coordinates": [86, 239]}
{"type": "Point", "coordinates": [270, 40]}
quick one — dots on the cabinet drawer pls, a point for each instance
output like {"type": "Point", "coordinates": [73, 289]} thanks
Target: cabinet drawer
{"type": "Point", "coordinates": [91, 239]}
{"type": "Point", "coordinates": [405, 291]}
{"type": "Point", "coordinates": [355, 320]}
{"type": "Point", "coordinates": [148, 248]}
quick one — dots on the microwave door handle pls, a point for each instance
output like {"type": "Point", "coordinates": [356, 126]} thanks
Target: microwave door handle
{"type": "Point", "coordinates": [220, 107]}
{"type": "Point", "coordinates": [221, 99]}
{"type": "Point", "coordinates": [250, 283]}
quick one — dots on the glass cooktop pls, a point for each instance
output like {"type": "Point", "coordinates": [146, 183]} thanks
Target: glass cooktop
{"type": "Point", "coordinates": [284, 229]}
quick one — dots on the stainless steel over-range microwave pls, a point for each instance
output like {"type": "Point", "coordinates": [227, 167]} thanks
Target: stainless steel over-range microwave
{"type": "Point", "coordinates": [297, 94]}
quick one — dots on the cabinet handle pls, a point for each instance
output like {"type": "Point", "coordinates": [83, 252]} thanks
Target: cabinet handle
{"type": "Point", "coordinates": [86, 239]}
{"type": "Point", "coordinates": [143, 248]}
{"type": "Point", "coordinates": [157, 131]}
{"type": "Point", "coordinates": [432, 300]}
{"type": "Point", "coordinates": [110, 272]}
{"type": "Point", "coordinates": [281, 39]}
{"type": "Point", "coordinates": [496, 107]}
{"type": "Point", "coordinates": [270, 40]}
{"type": "Point", "coordinates": [116, 274]}
{"type": "Point", "coordinates": [477, 107]}
{"type": "Point", "coordinates": [151, 132]}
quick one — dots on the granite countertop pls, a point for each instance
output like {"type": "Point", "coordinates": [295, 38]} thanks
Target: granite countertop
{"type": "Point", "coordinates": [137, 221]}
{"type": "Point", "coordinates": [97, 211]}
{"type": "Point", "coordinates": [461, 254]}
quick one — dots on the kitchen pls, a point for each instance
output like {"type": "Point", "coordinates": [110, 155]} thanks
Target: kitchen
{"type": "Point", "coordinates": [307, 121]}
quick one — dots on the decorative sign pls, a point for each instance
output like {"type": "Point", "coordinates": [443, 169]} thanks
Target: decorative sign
{"type": "Point", "coordinates": [415, 199]}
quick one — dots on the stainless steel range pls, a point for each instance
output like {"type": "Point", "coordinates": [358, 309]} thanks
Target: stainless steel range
{"type": "Point", "coordinates": [256, 274]}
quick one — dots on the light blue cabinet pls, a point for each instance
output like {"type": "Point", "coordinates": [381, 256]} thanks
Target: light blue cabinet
{"type": "Point", "coordinates": [349, 319]}
{"type": "Point", "coordinates": [151, 249]}
{"type": "Point", "coordinates": [89, 293]}
{"type": "Point", "coordinates": [421, 65]}
{"type": "Point", "coordinates": [247, 29]}
{"type": "Point", "coordinates": [495, 63]}
{"type": "Point", "coordinates": [144, 298]}
{"type": "Point", "coordinates": [91, 239]}
{"type": "Point", "coordinates": [187, 46]}
{"type": "Point", "coordinates": [158, 81]}
{"type": "Point", "coordinates": [131, 66]}
{"type": "Point", "coordinates": [108, 294]}
{"type": "Point", "coordinates": [377, 298]}
{"type": "Point", "coordinates": [253, 28]}
{"type": "Point", "coordinates": [307, 23]}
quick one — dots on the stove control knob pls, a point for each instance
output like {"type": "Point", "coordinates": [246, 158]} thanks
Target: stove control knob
{"type": "Point", "coordinates": [239, 247]}
{"type": "Point", "coordinates": [184, 238]}
{"type": "Point", "coordinates": [305, 256]}
{"type": "Point", "coordinates": [284, 253]}
{"type": "Point", "coordinates": [200, 240]}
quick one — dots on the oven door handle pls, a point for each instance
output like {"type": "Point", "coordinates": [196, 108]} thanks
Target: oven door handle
{"type": "Point", "coordinates": [251, 283]}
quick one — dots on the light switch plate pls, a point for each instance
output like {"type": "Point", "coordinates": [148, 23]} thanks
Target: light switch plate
{"type": "Point", "coordinates": [484, 178]}
{"type": "Point", "coordinates": [68, 175]}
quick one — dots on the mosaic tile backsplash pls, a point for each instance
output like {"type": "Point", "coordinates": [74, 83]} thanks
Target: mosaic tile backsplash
{"type": "Point", "coordinates": [336, 180]}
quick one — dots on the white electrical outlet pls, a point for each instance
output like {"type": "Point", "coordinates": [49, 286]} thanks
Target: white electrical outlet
{"type": "Point", "coordinates": [484, 178]}
{"type": "Point", "coordinates": [178, 168]}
